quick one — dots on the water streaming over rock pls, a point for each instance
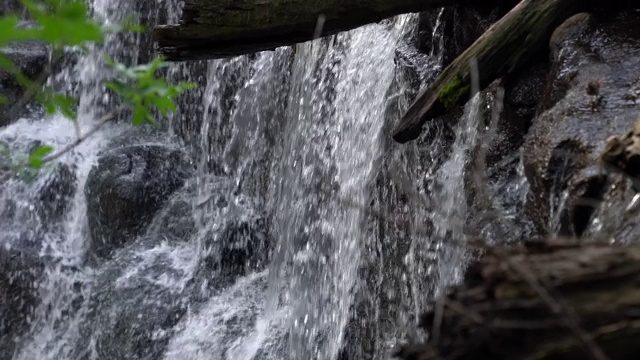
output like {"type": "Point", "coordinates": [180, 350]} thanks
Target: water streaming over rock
{"type": "Point", "coordinates": [301, 232]}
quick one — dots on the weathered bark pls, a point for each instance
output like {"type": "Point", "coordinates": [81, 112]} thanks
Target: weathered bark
{"type": "Point", "coordinates": [504, 48]}
{"type": "Point", "coordinates": [222, 28]}
{"type": "Point", "coordinates": [495, 314]}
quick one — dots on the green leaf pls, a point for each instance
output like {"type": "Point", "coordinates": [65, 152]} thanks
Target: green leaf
{"type": "Point", "coordinates": [139, 115]}
{"type": "Point", "coordinates": [143, 92]}
{"type": "Point", "coordinates": [165, 105]}
{"type": "Point", "coordinates": [42, 151]}
{"type": "Point", "coordinates": [7, 65]}
{"type": "Point", "coordinates": [36, 159]}
{"type": "Point", "coordinates": [55, 102]}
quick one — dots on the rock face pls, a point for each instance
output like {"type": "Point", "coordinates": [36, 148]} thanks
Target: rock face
{"type": "Point", "coordinates": [31, 58]}
{"type": "Point", "coordinates": [9, 6]}
{"type": "Point", "coordinates": [461, 25]}
{"type": "Point", "coordinates": [125, 190]}
{"type": "Point", "coordinates": [238, 242]}
{"type": "Point", "coordinates": [592, 94]}
{"type": "Point", "coordinates": [233, 226]}
{"type": "Point", "coordinates": [28, 210]}
{"type": "Point", "coordinates": [190, 249]}
{"type": "Point", "coordinates": [20, 268]}
{"type": "Point", "coordinates": [137, 299]}
{"type": "Point", "coordinates": [55, 193]}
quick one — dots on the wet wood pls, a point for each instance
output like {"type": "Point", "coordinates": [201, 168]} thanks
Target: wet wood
{"type": "Point", "coordinates": [223, 28]}
{"type": "Point", "coordinates": [496, 314]}
{"type": "Point", "coordinates": [501, 50]}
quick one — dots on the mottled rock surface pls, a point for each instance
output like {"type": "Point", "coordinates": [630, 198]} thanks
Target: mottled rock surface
{"type": "Point", "coordinates": [126, 189]}
{"type": "Point", "coordinates": [592, 94]}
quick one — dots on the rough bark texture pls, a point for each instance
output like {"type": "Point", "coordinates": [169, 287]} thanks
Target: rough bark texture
{"type": "Point", "coordinates": [495, 314]}
{"type": "Point", "coordinates": [222, 28]}
{"type": "Point", "coordinates": [505, 47]}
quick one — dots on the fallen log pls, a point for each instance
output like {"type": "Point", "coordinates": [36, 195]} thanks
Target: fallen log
{"type": "Point", "coordinates": [498, 314]}
{"type": "Point", "coordinates": [223, 28]}
{"type": "Point", "coordinates": [504, 48]}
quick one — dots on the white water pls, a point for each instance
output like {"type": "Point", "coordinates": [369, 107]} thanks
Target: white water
{"type": "Point", "coordinates": [306, 146]}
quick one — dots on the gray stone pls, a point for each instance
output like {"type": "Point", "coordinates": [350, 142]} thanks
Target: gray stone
{"type": "Point", "coordinates": [137, 299]}
{"type": "Point", "coordinates": [231, 227]}
{"type": "Point", "coordinates": [20, 270]}
{"type": "Point", "coordinates": [126, 189]}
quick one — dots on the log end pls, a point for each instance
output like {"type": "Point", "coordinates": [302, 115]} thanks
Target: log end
{"type": "Point", "coordinates": [410, 126]}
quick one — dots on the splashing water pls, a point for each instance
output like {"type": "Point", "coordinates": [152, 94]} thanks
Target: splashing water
{"type": "Point", "coordinates": [290, 156]}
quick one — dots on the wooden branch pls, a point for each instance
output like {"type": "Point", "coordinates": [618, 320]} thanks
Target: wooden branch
{"type": "Point", "coordinates": [504, 48]}
{"type": "Point", "coordinates": [497, 314]}
{"type": "Point", "coordinates": [223, 28]}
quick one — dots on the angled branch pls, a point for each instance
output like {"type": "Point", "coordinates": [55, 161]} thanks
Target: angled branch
{"type": "Point", "coordinates": [502, 49]}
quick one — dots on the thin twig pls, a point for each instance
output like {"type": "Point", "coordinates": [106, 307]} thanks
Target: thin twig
{"type": "Point", "coordinates": [103, 121]}
{"type": "Point", "coordinates": [461, 309]}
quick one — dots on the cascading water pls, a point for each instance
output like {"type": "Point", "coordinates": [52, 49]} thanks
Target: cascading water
{"type": "Point", "coordinates": [272, 249]}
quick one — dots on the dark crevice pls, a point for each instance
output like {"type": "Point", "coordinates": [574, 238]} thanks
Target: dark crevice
{"type": "Point", "coordinates": [587, 204]}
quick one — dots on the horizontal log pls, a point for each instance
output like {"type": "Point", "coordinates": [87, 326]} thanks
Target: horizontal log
{"type": "Point", "coordinates": [502, 49]}
{"type": "Point", "coordinates": [497, 314]}
{"type": "Point", "coordinates": [223, 28]}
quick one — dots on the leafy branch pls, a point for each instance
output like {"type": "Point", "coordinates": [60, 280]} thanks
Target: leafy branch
{"type": "Point", "coordinates": [63, 24]}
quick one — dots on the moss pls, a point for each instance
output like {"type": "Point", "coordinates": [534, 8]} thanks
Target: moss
{"type": "Point", "coordinates": [451, 94]}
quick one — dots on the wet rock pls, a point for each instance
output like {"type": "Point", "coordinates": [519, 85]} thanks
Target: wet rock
{"type": "Point", "coordinates": [138, 297]}
{"type": "Point", "coordinates": [28, 211]}
{"type": "Point", "coordinates": [20, 269]}
{"type": "Point", "coordinates": [126, 189]}
{"type": "Point", "coordinates": [614, 215]}
{"type": "Point", "coordinates": [570, 48]}
{"type": "Point", "coordinates": [231, 227]}
{"type": "Point", "coordinates": [31, 58]}
{"type": "Point", "coordinates": [56, 192]}
{"type": "Point", "coordinates": [448, 32]}
{"type": "Point", "coordinates": [595, 67]}
{"type": "Point", "coordinates": [237, 242]}
{"type": "Point", "coordinates": [10, 6]}
{"type": "Point", "coordinates": [522, 94]}
{"type": "Point", "coordinates": [195, 246]}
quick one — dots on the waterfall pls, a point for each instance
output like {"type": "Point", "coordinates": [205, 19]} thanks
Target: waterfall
{"type": "Point", "coordinates": [302, 233]}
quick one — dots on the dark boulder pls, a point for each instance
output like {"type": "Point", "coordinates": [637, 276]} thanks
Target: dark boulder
{"type": "Point", "coordinates": [137, 299]}
{"type": "Point", "coordinates": [191, 250]}
{"type": "Point", "coordinates": [126, 189]}
{"type": "Point", "coordinates": [237, 242]}
{"type": "Point", "coordinates": [28, 211]}
{"type": "Point", "coordinates": [20, 270]}
{"type": "Point", "coordinates": [54, 194]}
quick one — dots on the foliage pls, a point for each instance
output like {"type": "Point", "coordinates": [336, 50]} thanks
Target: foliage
{"type": "Point", "coordinates": [62, 24]}
{"type": "Point", "coordinates": [142, 91]}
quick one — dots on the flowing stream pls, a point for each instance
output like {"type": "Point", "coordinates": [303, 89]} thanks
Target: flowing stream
{"type": "Point", "coordinates": [347, 232]}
